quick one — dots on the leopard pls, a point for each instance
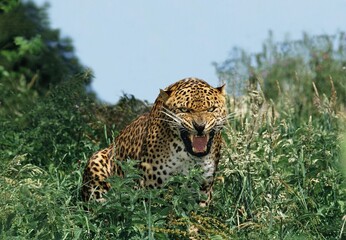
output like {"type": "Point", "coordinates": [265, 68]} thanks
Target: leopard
{"type": "Point", "coordinates": [182, 130]}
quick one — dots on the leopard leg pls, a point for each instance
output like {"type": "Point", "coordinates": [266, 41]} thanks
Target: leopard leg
{"type": "Point", "coordinates": [99, 167]}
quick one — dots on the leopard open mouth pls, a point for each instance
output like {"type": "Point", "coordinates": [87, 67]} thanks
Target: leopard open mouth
{"type": "Point", "coordinates": [197, 145]}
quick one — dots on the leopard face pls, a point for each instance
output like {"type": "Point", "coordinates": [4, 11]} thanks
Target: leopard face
{"type": "Point", "coordinates": [196, 112]}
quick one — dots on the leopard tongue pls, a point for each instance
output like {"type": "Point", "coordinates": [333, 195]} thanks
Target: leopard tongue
{"type": "Point", "coordinates": [199, 143]}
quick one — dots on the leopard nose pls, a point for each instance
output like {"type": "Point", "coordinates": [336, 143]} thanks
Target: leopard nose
{"type": "Point", "coordinates": [199, 128]}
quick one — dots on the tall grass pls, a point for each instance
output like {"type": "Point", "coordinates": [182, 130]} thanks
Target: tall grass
{"type": "Point", "coordinates": [282, 176]}
{"type": "Point", "coordinates": [279, 179]}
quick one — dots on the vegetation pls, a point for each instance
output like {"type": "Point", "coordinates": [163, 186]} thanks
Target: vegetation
{"type": "Point", "coordinates": [281, 176]}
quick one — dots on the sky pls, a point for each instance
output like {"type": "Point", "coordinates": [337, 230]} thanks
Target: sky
{"type": "Point", "coordinates": [139, 46]}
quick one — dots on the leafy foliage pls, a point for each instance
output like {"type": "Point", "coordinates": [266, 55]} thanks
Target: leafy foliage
{"type": "Point", "coordinates": [31, 48]}
{"type": "Point", "coordinates": [8, 5]}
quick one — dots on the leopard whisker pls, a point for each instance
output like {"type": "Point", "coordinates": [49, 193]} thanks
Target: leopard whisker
{"type": "Point", "coordinates": [173, 123]}
{"type": "Point", "coordinates": [172, 115]}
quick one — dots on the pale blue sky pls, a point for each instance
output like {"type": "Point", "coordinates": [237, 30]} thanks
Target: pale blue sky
{"type": "Point", "coordinates": [140, 46]}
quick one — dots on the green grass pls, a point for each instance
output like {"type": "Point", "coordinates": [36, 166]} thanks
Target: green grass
{"type": "Point", "coordinates": [280, 178]}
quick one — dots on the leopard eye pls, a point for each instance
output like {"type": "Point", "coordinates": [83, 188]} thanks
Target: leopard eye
{"type": "Point", "coordinates": [183, 110]}
{"type": "Point", "coordinates": [211, 109]}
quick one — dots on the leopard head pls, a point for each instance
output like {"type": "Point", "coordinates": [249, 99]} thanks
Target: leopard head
{"type": "Point", "coordinates": [196, 111]}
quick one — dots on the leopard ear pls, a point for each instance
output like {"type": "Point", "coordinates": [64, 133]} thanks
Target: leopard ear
{"type": "Point", "coordinates": [164, 94]}
{"type": "Point", "coordinates": [222, 89]}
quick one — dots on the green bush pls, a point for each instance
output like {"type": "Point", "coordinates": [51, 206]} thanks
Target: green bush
{"type": "Point", "coordinates": [276, 180]}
